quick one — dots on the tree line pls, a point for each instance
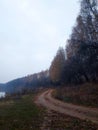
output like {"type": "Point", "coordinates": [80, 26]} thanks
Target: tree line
{"type": "Point", "coordinates": [28, 83]}
{"type": "Point", "coordinates": [78, 63]}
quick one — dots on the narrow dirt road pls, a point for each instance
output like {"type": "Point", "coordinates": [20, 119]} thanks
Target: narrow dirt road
{"type": "Point", "coordinates": [45, 99]}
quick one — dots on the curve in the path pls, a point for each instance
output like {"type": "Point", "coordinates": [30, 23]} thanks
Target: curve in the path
{"type": "Point", "coordinates": [85, 113]}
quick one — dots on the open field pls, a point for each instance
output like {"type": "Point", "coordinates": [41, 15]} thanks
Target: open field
{"type": "Point", "coordinates": [20, 114]}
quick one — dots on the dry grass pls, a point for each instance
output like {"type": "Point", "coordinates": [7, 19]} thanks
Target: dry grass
{"type": "Point", "coordinates": [86, 94]}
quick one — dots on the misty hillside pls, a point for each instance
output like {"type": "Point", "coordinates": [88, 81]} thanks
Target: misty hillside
{"type": "Point", "coordinates": [2, 87]}
{"type": "Point", "coordinates": [27, 83]}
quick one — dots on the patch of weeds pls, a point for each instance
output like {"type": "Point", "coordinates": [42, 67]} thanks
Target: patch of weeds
{"type": "Point", "coordinates": [23, 114]}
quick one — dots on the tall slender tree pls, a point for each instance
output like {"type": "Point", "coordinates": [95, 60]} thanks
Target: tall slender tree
{"type": "Point", "coordinates": [57, 66]}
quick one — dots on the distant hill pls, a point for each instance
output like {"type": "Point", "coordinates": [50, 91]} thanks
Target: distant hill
{"type": "Point", "coordinates": [2, 87]}
{"type": "Point", "coordinates": [1, 84]}
{"type": "Point", "coordinates": [27, 83]}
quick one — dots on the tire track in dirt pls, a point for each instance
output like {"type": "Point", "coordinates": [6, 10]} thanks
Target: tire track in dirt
{"type": "Point", "coordinates": [85, 113]}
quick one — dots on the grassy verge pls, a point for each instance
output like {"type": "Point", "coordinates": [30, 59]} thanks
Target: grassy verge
{"type": "Point", "coordinates": [86, 94]}
{"type": "Point", "coordinates": [20, 114]}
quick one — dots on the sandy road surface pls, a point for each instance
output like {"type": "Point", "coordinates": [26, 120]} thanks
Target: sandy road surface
{"type": "Point", "coordinates": [45, 99]}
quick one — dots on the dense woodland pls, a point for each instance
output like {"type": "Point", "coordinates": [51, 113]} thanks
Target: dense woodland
{"type": "Point", "coordinates": [77, 63]}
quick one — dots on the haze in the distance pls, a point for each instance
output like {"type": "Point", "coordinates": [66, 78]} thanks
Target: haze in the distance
{"type": "Point", "coordinates": [31, 31]}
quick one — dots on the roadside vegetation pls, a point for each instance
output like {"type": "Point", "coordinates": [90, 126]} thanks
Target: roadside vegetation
{"type": "Point", "coordinates": [86, 94]}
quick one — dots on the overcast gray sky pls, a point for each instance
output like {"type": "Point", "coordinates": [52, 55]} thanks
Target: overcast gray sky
{"type": "Point", "coordinates": [31, 32]}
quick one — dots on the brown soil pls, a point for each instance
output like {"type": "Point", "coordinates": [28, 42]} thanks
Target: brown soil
{"type": "Point", "coordinates": [84, 113]}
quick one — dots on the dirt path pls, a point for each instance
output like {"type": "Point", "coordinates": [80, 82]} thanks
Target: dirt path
{"type": "Point", "coordinates": [85, 113]}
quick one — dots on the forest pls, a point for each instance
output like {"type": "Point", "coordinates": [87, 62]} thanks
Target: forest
{"type": "Point", "coordinates": [78, 63]}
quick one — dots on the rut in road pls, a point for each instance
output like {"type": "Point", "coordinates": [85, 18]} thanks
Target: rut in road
{"type": "Point", "coordinates": [85, 113]}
